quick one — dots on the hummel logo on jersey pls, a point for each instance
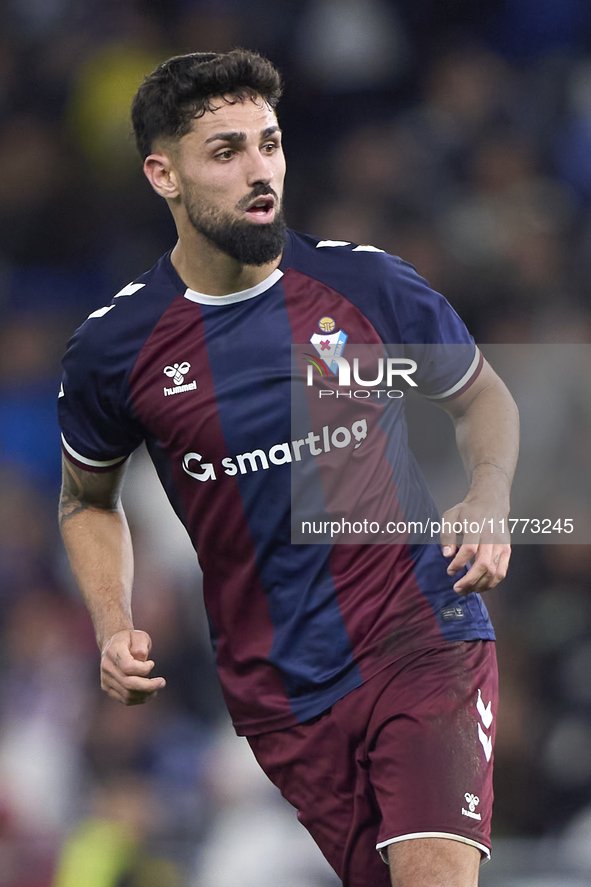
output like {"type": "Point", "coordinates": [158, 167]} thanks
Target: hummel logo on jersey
{"type": "Point", "coordinates": [472, 801]}
{"type": "Point", "coordinates": [177, 373]}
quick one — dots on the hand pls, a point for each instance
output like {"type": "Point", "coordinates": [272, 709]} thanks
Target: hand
{"type": "Point", "coordinates": [125, 668]}
{"type": "Point", "coordinates": [487, 553]}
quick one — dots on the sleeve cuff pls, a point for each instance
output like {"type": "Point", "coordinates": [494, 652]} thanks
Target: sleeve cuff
{"type": "Point", "coordinates": [462, 384]}
{"type": "Point", "coordinates": [90, 464]}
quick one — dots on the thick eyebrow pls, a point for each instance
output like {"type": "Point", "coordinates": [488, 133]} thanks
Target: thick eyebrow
{"type": "Point", "coordinates": [240, 136]}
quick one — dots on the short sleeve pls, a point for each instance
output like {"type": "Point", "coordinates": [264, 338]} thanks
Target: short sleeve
{"type": "Point", "coordinates": [98, 428]}
{"type": "Point", "coordinates": [433, 336]}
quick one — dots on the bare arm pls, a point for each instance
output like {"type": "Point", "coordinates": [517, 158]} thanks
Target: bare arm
{"type": "Point", "coordinates": [487, 434]}
{"type": "Point", "coordinates": [97, 539]}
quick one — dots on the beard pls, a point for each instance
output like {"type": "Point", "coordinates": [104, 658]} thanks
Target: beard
{"type": "Point", "coordinates": [249, 243]}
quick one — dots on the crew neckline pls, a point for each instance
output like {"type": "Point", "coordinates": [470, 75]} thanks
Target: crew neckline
{"type": "Point", "coordinates": [241, 296]}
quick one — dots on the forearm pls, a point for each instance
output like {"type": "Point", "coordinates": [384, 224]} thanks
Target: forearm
{"type": "Point", "coordinates": [99, 548]}
{"type": "Point", "coordinates": [97, 539]}
{"type": "Point", "coordinates": [487, 435]}
{"type": "Point", "coordinates": [98, 543]}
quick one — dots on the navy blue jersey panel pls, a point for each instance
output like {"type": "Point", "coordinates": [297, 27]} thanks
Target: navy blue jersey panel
{"type": "Point", "coordinates": [460, 617]}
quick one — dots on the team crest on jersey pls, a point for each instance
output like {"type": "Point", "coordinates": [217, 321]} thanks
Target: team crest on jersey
{"type": "Point", "coordinates": [329, 344]}
{"type": "Point", "coordinates": [326, 324]}
{"type": "Point", "coordinates": [177, 373]}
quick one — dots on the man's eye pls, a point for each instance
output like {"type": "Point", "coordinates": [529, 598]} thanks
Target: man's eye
{"type": "Point", "coordinates": [224, 155]}
{"type": "Point", "coordinates": [270, 147]}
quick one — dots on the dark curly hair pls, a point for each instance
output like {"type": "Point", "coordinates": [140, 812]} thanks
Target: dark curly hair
{"type": "Point", "coordinates": [184, 87]}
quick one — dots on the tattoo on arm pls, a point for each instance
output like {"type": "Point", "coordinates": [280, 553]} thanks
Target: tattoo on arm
{"type": "Point", "coordinates": [83, 490]}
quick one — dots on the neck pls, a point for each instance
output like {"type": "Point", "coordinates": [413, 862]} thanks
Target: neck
{"type": "Point", "coordinates": [206, 269]}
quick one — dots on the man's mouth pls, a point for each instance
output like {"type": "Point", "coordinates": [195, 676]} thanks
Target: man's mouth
{"type": "Point", "coordinates": [262, 209]}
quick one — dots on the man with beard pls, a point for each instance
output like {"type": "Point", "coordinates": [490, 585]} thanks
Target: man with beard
{"type": "Point", "coordinates": [365, 685]}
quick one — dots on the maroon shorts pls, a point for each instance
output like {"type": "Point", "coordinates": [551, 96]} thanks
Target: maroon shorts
{"type": "Point", "coordinates": [406, 755]}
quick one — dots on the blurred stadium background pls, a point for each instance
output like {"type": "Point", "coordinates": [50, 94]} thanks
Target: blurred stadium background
{"type": "Point", "coordinates": [457, 135]}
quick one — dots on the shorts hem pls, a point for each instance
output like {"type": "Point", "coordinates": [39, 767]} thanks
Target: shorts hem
{"type": "Point", "coordinates": [483, 849]}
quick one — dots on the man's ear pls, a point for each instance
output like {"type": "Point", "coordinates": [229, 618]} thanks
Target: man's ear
{"type": "Point", "coordinates": [161, 174]}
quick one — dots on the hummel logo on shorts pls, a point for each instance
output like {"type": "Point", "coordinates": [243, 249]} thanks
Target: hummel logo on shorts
{"type": "Point", "coordinates": [472, 801]}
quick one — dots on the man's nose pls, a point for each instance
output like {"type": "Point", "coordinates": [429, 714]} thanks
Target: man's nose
{"type": "Point", "coordinates": [260, 168]}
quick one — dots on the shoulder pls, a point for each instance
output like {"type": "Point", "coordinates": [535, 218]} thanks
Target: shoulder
{"type": "Point", "coordinates": [358, 263]}
{"type": "Point", "coordinates": [304, 246]}
{"type": "Point", "coordinates": [400, 304]}
{"type": "Point", "coordinates": [129, 317]}
{"type": "Point", "coordinates": [363, 273]}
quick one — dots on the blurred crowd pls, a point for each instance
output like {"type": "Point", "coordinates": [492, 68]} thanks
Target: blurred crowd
{"type": "Point", "coordinates": [457, 136]}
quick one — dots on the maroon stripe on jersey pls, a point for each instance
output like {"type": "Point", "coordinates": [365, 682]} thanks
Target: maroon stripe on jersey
{"type": "Point", "coordinates": [187, 422]}
{"type": "Point", "coordinates": [386, 613]}
{"type": "Point", "coordinates": [383, 608]}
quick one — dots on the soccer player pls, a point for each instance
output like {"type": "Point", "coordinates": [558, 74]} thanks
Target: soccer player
{"type": "Point", "coordinates": [363, 675]}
